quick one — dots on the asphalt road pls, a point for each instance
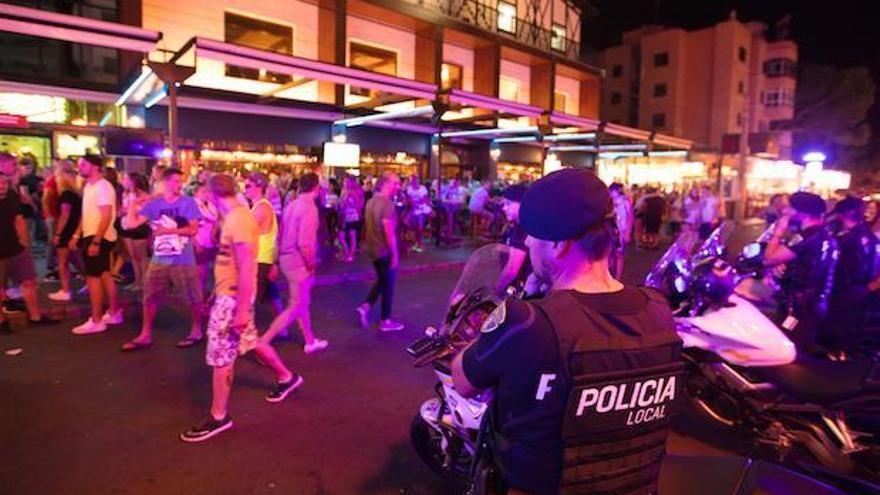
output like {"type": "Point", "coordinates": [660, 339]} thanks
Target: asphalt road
{"type": "Point", "coordinates": [79, 417]}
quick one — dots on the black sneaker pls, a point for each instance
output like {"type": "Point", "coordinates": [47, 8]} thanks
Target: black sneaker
{"type": "Point", "coordinates": [14, 306]}
{"type": "Point", "coordinates": [282, 390]}
{"type": "Point", "coordinates": [44, 321]}
{"type": "Point", "coordinates": [206, 430]}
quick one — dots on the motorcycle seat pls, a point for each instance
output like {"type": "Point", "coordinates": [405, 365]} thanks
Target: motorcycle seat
{"type": "Point", "coordinates": [819, 381]}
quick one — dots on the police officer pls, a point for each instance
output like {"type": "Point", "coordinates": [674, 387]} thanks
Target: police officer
{"type": "Point", "coordinates": [809, 258]}
{"type": "Point", "coordinates": [584, 380]}
{"type": "Point", "coordinates": [849, 296]}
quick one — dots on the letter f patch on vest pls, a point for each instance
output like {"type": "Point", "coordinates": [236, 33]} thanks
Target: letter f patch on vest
{"type": "Point", "coordinates": [495, 319]}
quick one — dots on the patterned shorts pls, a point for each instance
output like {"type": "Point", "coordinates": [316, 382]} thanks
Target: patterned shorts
{"type": "Point", "coordinates": [162, 280]}
{"type": "Point", "coordinates": [225, 343]}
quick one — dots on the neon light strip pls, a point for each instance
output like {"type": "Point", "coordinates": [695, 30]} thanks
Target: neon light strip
{"type": "Point", "coordinates": [620, 154]}
{"type": "Point", "coordinates": [319, 70]}
{"type": "Point", "coordinates": [668, 153]}
{"type": "Point", "coordinates": [403, 126]}
{"type": "Point", "coordinates": [516, 139]}
{"type": "Point", "coordinates": [255, 109]}
{"type": "Point", "coordinates": [487, 132]}
{"type": "Point", "coordinates": [155, 98]}
{"type": "Point", "coordinates": [624, 147]}
{"type": "Point", "coordinates": [76, 29]}
{"type": "Point", "coordinates": [570, 137]}
{"type": "Point", "coordinates": [488, 102]}
{"type": "Point", "coordinates": [146, 72]}
{"type": "Point", "coordinates": [567, 119]}
{"type": "Point", "coordinates": [62, 92]}
{"type": "Point", "coordinates": [409, 112]}
{"type": "Point", "coordinates": [284, 68]}
{"type": "Point", "coordinates": [573, 148]}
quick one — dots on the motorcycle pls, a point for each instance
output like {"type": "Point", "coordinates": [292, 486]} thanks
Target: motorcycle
{"type": "Point", "coordinates": [444, 432]}
{"type": "Point", "coordinates": [744, 372]}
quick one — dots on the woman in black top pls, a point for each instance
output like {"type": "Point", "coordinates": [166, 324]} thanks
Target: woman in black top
{"type": "Point", "coordinates": [70, 211]}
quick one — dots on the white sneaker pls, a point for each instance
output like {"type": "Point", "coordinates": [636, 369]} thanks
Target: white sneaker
{"type": "Point", "coordinates": [112, 318]}
{"type": "Point", "coordinates": [316, 346]}
{"type": "Point", "coordinates": [89, 327]}
{"type": "Point", "coordinates": [60, 296]}
{"type": "Point", "coordinates": [390, 326]}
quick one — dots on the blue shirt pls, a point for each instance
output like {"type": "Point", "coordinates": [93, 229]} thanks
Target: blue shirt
{"type": "Point", "coordinates": [173, 249]}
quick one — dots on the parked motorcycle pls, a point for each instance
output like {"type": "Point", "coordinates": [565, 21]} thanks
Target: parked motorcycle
{"type": "Point", "coordinates": [444, 432]}
{"type": "Point", "coordinates": [744, 372]}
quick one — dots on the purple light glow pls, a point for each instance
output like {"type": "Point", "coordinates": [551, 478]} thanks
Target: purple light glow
{"type": "Point", "coordinates": [482, 101]}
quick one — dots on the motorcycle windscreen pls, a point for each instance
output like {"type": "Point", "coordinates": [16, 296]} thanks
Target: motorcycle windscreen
{"type": "Point", "coordinates": [677, 254]}
{"type": "Point", "coordinates": [482, 271]}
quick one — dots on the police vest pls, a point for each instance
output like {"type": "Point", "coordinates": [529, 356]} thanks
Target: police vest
{"type": "Point", "coordinates": [626, 377]}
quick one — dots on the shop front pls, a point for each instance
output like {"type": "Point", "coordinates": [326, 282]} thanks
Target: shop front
{"type": "Point", "coordinates": [668, 173]}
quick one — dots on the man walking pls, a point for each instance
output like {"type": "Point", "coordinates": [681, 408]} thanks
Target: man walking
{"type": "Point", "coordinates": [381, 245]}
{"type": "Point", "coordinates": [231, 329]}
{"type": "Point", "coordinates": [96, 236]}
{"type": "Point", "coordinates": [623, 215]}
{"type": "Point", "coordinates": [298, 253]}
{"type": "Point", "coordinates": [174, 220]}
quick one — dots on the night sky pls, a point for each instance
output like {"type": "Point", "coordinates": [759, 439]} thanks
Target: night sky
{"type": "Point", "coordinates": [841, 33]}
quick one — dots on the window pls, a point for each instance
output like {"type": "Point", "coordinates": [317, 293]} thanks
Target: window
{"type": "Point", "coordinates": [560, 100]}
{"type": "Point", "coordinates": [659, 90]}
{"type": "Point", "coordinates": [507, 17]}
{"type": "Point", "coordinates": [615, 98]}
{"type": "Point", "coordinates": [617, 71]}
{"type": "Point", "coordinates": [508, 89]}
{"type": "Point", "coordinates": [450, 76]}
{"type": "Point", "coordinates": [661, 59]}
{"type": "Point", "coordinates": [743, 54]}
{"type": "Point", "coordinates": [779, 97]}
{"type": "Point", "coordinates": [373, 59]}
{"type": "Point", "coordinates": [262, 35]}
{"type": "Point", "coordinates": [780, 67]}
{"type": "Point", "coordinates": [658, 120]}
{"type": "Point", "coordinates": [558, 37]}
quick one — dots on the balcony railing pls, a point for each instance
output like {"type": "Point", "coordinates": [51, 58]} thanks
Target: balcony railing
{"type": "Point", "coordinates": [484, 16]}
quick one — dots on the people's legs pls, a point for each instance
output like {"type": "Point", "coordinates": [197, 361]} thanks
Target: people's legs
{"type": "Point", "coordinates": [51, 251]}
{"type": "Point", "coordinates": [390, 280]}
{"type": "Point", "coordinates": [186, 280]}
{"type": "Point", "coordinates": [31, 301]}
{"type": "Point", "coordinates": [343, 242]}
{"type": "Point", "coordinates": [141, 259]}
{"type": "Point", "coordinates": [96, 296]}
{"type": "Point", "coordinates": [221, 389]}
{"type": "Point", "coordinates": [109, 285]}
{"type": "Point", "coordinates": [304, 302]}
{"type": "Point", "coordinates": [62, 254]}
{"type": "Point", "coordinates": [270, 357]}
{"type": "Point", "coordinates": [379, 286]}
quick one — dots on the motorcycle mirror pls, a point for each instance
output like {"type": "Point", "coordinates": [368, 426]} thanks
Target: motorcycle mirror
{"type": "Point", "coordinates": [751, 250]}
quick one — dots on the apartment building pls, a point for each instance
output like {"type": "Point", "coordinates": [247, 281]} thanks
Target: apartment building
{"type": "Point", "coordinates": [704, 84]}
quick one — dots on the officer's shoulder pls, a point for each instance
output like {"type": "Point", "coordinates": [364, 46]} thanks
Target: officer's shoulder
{"type": "Point", "coordinates": [510, 314]}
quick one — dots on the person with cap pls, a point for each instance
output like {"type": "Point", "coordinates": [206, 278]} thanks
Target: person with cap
{"type": "Point", "coordinates": [808, 257]}
{"type": "Point", "coordinates": [558, 365]}
{"type": "Point", "coordinates": [517, 269]}
{"type": "Point", "coordinates": [849, 297]}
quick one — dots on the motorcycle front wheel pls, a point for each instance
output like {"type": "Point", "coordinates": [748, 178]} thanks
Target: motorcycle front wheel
{"type": "Point", "coordinates": [451, 462]}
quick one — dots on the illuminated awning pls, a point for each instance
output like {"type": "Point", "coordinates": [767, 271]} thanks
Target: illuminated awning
{"type": "Point", "coordinates": [323, 71]}
{"type": "Point", "coordinates": [587, 124]}
{"type": "Point", "coordinates": [65, 27]}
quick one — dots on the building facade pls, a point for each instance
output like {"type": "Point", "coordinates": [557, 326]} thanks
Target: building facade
{"type": "Point", "coordinates": [523, 52]}
{"type": "Point", "coordinates": [705, 84]}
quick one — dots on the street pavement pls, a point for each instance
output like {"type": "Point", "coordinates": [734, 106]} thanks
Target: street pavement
{"type": "Point", "coordinates": [77, 416]}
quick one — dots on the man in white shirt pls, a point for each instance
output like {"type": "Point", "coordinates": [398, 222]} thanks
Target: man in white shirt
{"type": "Point", "coordinates": [96, 237]}
{"type": "Point", "coordinates": [481, 217]}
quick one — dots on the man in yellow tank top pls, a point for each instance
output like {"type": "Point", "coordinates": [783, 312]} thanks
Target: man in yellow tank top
{"type": "Point", "coordinates": [267, 251]}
